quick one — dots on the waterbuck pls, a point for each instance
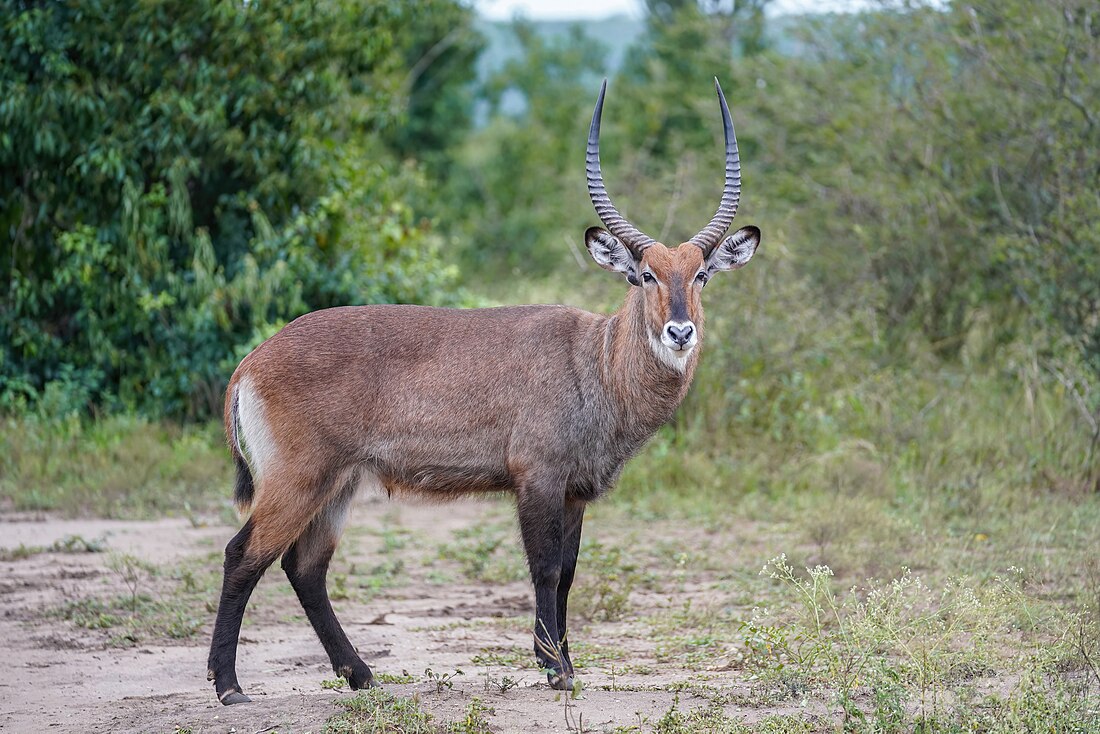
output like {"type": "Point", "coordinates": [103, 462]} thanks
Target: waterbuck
{"type": "Point", "coordinates": [545, 402]}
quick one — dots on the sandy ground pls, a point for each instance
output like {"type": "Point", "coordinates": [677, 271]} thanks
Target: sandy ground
{"type": "Point", "coordinates": [56, 676]}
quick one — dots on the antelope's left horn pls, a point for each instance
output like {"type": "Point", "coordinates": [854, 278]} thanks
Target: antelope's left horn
{"type": "Point", "coordinates": [709, 237]}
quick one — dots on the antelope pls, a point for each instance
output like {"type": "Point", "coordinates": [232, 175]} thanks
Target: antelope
{"type": "Point", "coordinates": [544, 402]}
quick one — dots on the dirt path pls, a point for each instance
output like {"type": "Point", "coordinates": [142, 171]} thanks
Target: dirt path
{"type": "Point", "coordinates": [406, 606]}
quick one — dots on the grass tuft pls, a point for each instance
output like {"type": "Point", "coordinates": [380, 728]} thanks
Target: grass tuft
{"type": "Point", "coordinates": [376, 712]}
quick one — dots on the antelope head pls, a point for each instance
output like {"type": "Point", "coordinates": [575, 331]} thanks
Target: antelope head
{"type": "Point", "coordinates": [671, 278]}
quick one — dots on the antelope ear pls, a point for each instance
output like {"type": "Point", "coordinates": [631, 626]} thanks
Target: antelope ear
{"type": "Point", "coordinates": [610, 253]}
{"type": "Point", "coordinates": [735, 251]}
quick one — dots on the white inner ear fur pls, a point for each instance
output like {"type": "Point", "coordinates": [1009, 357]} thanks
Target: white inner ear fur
{"type": "Point", "coordinates": [609, 252]}
{"type": "Point", "coordinates": [735, 251]}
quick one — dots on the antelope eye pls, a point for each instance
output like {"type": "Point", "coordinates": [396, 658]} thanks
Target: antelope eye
{"type": "Point", "coordinates": [701, 277]}
{"type": "Point", "coordinates": [648, 277]}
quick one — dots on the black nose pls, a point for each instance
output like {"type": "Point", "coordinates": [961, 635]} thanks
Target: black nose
{"type": "Point", "coordinates": [681, 334]}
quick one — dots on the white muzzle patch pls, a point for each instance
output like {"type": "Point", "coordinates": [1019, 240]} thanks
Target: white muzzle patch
{"type": "Point", "coordinates": [674, 346]}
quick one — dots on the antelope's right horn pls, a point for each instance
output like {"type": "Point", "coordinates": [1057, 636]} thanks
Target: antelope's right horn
{"type": "Point", "coordinates": [630, 235]}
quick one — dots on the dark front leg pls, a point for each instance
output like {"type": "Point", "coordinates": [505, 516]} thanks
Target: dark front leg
{"type": "Point", "coordinates": [541, 506]}
{"type": "Point", "coordinates": [574, 517]}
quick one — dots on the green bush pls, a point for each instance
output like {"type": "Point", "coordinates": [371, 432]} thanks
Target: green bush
{"type": "Point", "coordinates": [179, 179]}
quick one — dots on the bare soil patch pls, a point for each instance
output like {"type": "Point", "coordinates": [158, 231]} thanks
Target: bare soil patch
{"type": "Point", "coordinates": [418, 587]}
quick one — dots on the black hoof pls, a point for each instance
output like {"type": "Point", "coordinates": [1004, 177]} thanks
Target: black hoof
{"type": "Point", "coordinates": [560, 682]}
{"type": "Point", "coordinates": [231, 697]}
{"type": "Point", "coordinates": [360, 678]}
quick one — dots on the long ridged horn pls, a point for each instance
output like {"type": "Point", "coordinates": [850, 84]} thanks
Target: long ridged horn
{"type": "Point", "coordinates": [630, 236]}
{"type": "Point", "coordinates": [712, 234]}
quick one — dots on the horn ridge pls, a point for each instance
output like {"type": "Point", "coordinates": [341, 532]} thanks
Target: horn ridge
{"type": "Point", "coordinates": [710, 235]}
{"type": "Point", "coordinates": [616, 223]}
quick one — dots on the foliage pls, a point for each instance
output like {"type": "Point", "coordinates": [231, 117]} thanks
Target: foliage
{"type": "Point", "coordinates": [1038, 143]}
{"type": "Point", "coordinates": [912, 163]}
{"type": "Point", "coordinates": [664, 77]}
{"type": "Point", "coordinates": [915, 167]}
{"type": "Point", "coordinates": [517, 175]}
{"type": "Point", "coordinates": [439, 48]}
{"type": "Point", "coordinates": [180, 180]}
{"type": "Point", "coordinates": [941, 164]}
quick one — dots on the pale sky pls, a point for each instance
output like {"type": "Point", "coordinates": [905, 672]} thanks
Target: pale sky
{"type": "Point", "coordinates": [580, 9]}
{"type": "Point", "coordinates": [556, 9]}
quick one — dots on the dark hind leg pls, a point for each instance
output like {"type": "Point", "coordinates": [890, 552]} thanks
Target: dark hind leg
{"type": "Point", "coordinates": [283, 508]}
{"type": "Point", "coordinates": [306, 565]}
{"type": "Point", "coordinates": [574, 516]}
{"type": "Point", "coordinates": [243, 569]}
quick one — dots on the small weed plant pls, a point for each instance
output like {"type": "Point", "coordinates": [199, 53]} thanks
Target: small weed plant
{"type": "Point", "coordinates": [475, 719]}
{"type": "Point", "coordinates": [404, 677]}
{"type": "Point", "coordinates": [486, 554]}
{"type": "Point", "coordinates": [442, 681]}
{"type": "Point", "coordinates": [606, 583]}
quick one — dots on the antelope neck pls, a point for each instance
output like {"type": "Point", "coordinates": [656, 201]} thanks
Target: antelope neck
{"type": "Point", "coordinates": [646, 391]}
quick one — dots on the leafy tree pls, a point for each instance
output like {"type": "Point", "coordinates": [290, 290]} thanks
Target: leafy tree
{"type": "Point", "coordinates": [178, 178]}
{"type": "Point", "coordinates": [664, 77]}
{"type": "Point", "coordinates": [523, 172]}
{"type": "Point", "coordinates": [521, 180]}
{"type": "Point", "coordinates": [1030, 98]}
{"type": "Point", "coordinates": [938, 164]}
{"type": "Point", "coordinates": [439, 48]}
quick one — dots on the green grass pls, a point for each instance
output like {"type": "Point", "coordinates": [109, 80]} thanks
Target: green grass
{"type": "Point", "coordinates": [610, 574]}
{"type": "Point", "coordinates": [118, 466]}
{"type": "Point", "coordinates": [376, 712]}
{"type": "Point", "coordinates": [903, 654]}
{"type": "Point", "coordinates": [68, 544]}
{"type": "Point", "coordinates": [714, 720]}
{"type": "Point", "coordinates": [488, 553]}
{"type": "Point", "coordinates": [475, 719]}
{"type": "Point", "coordinates": [146, 603]}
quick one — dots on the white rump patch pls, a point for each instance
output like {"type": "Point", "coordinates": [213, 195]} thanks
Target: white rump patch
{"type": "Point", "coordinates": [259, 444]}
